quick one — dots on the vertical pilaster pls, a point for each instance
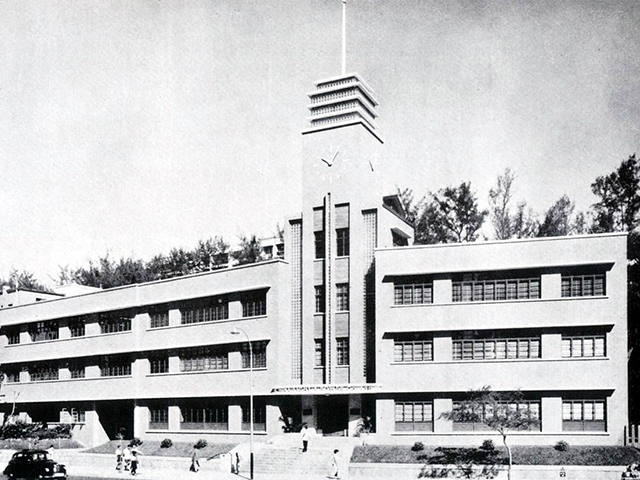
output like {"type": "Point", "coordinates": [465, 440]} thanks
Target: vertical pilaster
{"type": "Point", "coordinates": [440, 406]}
{"type": "Point", "coordinates": [140, 420]}
{"type": "Point", "coordinates": [329, 288]}
{"type": "Point", "coordinates": [174, 417]}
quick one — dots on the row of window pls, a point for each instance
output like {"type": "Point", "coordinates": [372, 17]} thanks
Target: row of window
{"type": "Point", "coordinates": [198, 311]}
{"type": "Point", "coordinates": [342, 298]}
{"type": "Point", "coordinates": [342, 243]}
{"type": "Point", "coordinates": [573, 346]}
{"type": "Point", "coordinates": [191, 360]}
{"type": "Point", "coordinates": [577, 415]}
{"type": "Point", "coordinates": [499, 289]}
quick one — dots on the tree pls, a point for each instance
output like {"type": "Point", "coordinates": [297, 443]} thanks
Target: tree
{"type": "Point", "coordinates": [499, 205]}
{"type": "Point", "coordinates": [525, 223]}
{"type": "Point", "coordinates": [24, 280]}
{"type": "Point", "coordinates": [250, 250]}
{"type": "Point", "coordinates": [455, 214]}
{"type": "Point", "coordinates": [557, 221]}
{"type": "Point", "coordinates": [210, 254]}
{"type": "Point", "coordinates": [503, 412]}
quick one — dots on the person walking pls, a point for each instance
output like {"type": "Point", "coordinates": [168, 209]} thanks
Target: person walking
{"type": "Point", "coordinates": [335, 465]}
{"type": "Point", "coordinates": [134, 462]}
{"type": "Point", "coordinates": [126, 456]}
{"type": "Point", "coordinates": [305, 438]}
{"type": "Point", "coordinates": [119, 459]}
{"type": "Point", "coordinates": [195, 460]}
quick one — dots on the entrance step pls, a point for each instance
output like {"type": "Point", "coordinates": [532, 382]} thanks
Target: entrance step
{"type": "Point", "coordinates": [278, 459]}
{"type": "Point", "coordinates": [315, 441]}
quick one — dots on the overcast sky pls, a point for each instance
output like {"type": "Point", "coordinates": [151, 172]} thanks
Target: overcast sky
{"type": "Point", "coordinates": [137, 126]}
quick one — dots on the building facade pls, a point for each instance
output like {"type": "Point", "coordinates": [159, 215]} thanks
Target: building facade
{"type": "Point", "coordinates": [354, 322]}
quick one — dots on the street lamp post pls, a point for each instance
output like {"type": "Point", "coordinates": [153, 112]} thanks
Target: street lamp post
{"type": "Point", "coordinates": [238, 331]}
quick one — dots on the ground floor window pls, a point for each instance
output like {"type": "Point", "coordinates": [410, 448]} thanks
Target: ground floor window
{"type": "Point", "coordinates": [259, 415]}
{"type": "Point", "coordinates": [158, 417]}
{"type": "Point", "coordinates": [414, 416]}
{"type": "Point", "coordinates": [73, 415]}
{"type": "Point", "coordinates": [208, 415]}
{"type": "Point", "coordinates": [531, 408]}
{"type": "Point", "coordinates": [583, 415]}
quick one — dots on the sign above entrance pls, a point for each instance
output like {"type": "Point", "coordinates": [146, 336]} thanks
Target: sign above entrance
{"type": "Point", "coordinates": [327, 389]}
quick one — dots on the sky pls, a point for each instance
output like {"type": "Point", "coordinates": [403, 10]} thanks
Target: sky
{"type": "Point", "coordinates": [135, 126]}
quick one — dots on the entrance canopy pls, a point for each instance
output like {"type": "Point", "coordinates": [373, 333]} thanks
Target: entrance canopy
{"type": "Point", "coordinates": [333, 389]}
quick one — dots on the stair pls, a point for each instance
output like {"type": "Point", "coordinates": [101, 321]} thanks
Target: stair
{"type": "Point", "coordinates": [272, 459]}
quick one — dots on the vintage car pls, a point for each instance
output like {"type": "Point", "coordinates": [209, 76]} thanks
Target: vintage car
{"type": "Point", "coordinates": [34, 464]}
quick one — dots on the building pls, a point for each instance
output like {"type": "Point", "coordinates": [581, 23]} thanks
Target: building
{"type": "Point", "coordinates": [354, 322]}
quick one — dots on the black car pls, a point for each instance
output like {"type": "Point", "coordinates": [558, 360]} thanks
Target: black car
{"type": "Point", "coordinates": [34, 464]}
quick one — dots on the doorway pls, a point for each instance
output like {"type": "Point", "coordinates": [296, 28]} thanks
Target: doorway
{"type": "Point", "coordinates": [333, 415]}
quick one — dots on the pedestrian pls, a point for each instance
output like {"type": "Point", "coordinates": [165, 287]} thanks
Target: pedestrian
{"type": "Point", "coordinates": [134, 462]}
{"type": "Point", "coordinates": [119, 459]}
{"type": "Point", "coordinates": [195, 460]}
{"type": "Point", "coordinates": [50, 452]}
{"type": "Point", "coordinates": [335, 465]}
{"type": "Point", "coordinates": [236, 462]}
{"type": "Point", "coordinates": [126, 456]}
{"type": "Point", "coordinates": [305, 438]}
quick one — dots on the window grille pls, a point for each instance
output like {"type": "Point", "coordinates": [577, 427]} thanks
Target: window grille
{"type": "Point", "coordinates": [204, 311]}
{"type": "Point", "coordinates": [413, 350]}
{"type": "Point", "coordinates": [583, 285]}
{"type": "Point", "coordinates": [342, 242]}
{"type": "Point", "coordinates": [115, 366]}
{"type": "Point", "coordinates": [159, 364]}
{"type": "Point", "coordinates": [43, 331]}
{"type": "Point", "coordinates": [259, 350]}
{"type": "Point", "coordinates": [13, 336]}
{"type": "Point", "coordinates": [158, 317]}
{"type": "Point", "coordinates": [414, 416]}
{"type": "Point", "coordinates": [43, 372]}
{"type": "Point", "coordinates": [491, 290]}
{"type": "Point", "coordinates": [254, 305]}
{"type": "Point", "coordinates": [259, 415]}
{"type": "Point", "coordinates": [319, 353]}
{"type": "Point", "coordinates": [496, 348]}
{"type": "Point", "coordinates": [114, 322]}
{"type": "Point", "coordinates": [529, 408]}
{"type": "Point", "coordinates": [159, 418]}
{"type": "Point", "coordinates": [203, 359]}
{"type": "Point", "coordinates": [584, 415]}
{"type": "Point", "coordinates": [583, 346]}
{"type": "Point", "coordinates": [320, 303]}
{"type": "Point", "coordinates": [212, 416]}
{"type": "Point", "coordinates": [342, 346]}
{"type": "Point", "coordinates": [412, 294]}
{"type": "Point", "coordinates": [319, 244]}
{"type": "Point", "coordinates": [342, 297]}
{"type": "Point", "coordinates": [77, 327]}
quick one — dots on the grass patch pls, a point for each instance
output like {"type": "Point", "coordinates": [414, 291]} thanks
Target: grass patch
{"type": "Point", "coordinates": [20, 443]}
{"type": "Point", "coordinates": [522, 455]}
{"type": "Point", "coordinates": [178, 449]}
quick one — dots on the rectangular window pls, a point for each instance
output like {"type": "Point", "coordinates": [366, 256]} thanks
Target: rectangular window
{"type": "Point", "coordinates": [320, 299]}
{"type": "Point", "coordinates": [259, 355]}
{"type": "Point", "coordinates": [43, 372]}
{"type": "Point", "coordinates": [342, 297]}
{"type": "Point", "coordinates": [12, 376]}
{"type": "Point", "coordinates": [319, 244]}
{"type": "Point", "coordinates": [114, 322]}
{"type": "Point", "coordinates": [13, 336]}
{"type": "Point", "coordinates": [254, 305]}
{"type": "Point", "coordinates": [203, 359]}
{"type": "Point", "coordinates": [158, 417]}
{"type": "Point", "coordinates": [583, 285]}
{"type": "Point", "coordinates": [342, 242]}
{"type": "Point", "coordinates": [43, 331]}
{"type": "Point", "coordinates": [414, 416]}
{"type": "Point", "coordinates": [159, 364]}
{"type": "Point", "coordinates": [583, 346]}
{"type": "Point", "coordinates": [413, 294]}
{"type": "Point", "coordinates": [498, 289]}
{"type": "Point", "coordinates": [319, 353]}
{"type": "Point", "coordinates": [77, 415]}
{"type": "Point", "coordinates": [342, 345]}
{"type": "Point", "coordinates": [76, 370]}
{"type": "Point", "coordinates": [583, 415]}
{"type": "Point", "coordinates": [206, 310]}
{"type": "Point", "coordinates": [158, 317]}
{"type": "Point", "coordinates": [77, 327]}
{"type": "Point", "coordinates": [115, 366]}
{"type": "Point", "coordinates": [259, 415]}
{"type": "Point", "coordinates": [496, 348]}
{"type": "Point", "coordinates": [213, 415]}
{"type": "Point", "coordinates": [528, 408]}
{"type": "Point", "coordinates": [413, 350]}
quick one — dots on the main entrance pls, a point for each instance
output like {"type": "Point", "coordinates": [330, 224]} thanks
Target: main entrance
{"type": "Point", "coordinates": [333, 414]}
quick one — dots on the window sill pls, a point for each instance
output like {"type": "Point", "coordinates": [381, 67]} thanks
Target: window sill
{"type": "Point", "coordinates": [68, 339]}
{"type": "Point", "coordinates": [208, 432]}
{"type": "Point", "coordinates": [40, 382]}
{"type": "Point", "coordinates": [501, 302]}
{"type": "Point", "coordinates": [212, 322]}
{"type": "Point", "coordinates": [228, 370]}
{"type": "Point", "coordinates": [342, 256]}
{"type": "Point", "coordinates": [502, 360]}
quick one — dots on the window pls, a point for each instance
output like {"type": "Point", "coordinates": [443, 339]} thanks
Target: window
{"type": "Point", "coordinates": [159, 364]}
{"type": "Point", "coordinates": [43, 331]}
{"type": "Point", "coordinates": [12, 376]}
{"type": "Point", "coordinates": [211, 416]}
{"type": "Point", "coordinates": [77, 416]}
{"type": "Point", "coordinates": [207, 310]}
{"type": "Point", "coordinates": [499, 289]}
{"type": "Point", "coordinates": [115, 366]}
{"type": "Point", "coordinates": [259, 415]}
{"type": "Point", "coordinates": [583, 346]}
{"type": "Point", "coordinates": [496, 348]}
{"type": "Point", "coordinates": [530, 408]}
{"type": "Point", "coordinates": [77, 327]}
{"type": "Point", "coordinates": [413, 294]}
{"type": "Point", "coordinates": [583, 415]}
{"type": "Point", "coordinates": [342, 242]}
{"type": "Point", "coordinates": [259, 355]}
{"type": "Point", "coordinates": [319, 242]}
{"type": "Point", "coordinates": [43, 372]}
{"type": "Point", "coordinates": [254, 305]}
{"type": "Point", "coordinates": [413, 350]}
{"type": "Point", "coordinates": [158, 317]}
{"type": "Point", "coordinates": [76, 370]}
{"type": "Point", "coordinates": [342, 297]}
{"type": "Point", "coordinates": [342, 345]}
{"type": "Point", "coordinates": [414, 416]}
{"type": "Point", "coordinates": [158, 417]}
{"type": "Point", "coordinates": [114, 322]}
{"type": "Point", "coordinates": [319, 353]}
{"type": "Point", "coordinates": [399, 240]}
{"type": "Point", "coordinates": [320, 307]}
{"type": "Point", "coordinates": [583, 285]}
{"type": "Point", "coordinates": [203, 359]}
{"type": "Point", "coordinates": [13, 336]}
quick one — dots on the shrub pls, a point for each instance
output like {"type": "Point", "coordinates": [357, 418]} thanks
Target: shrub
{"type": "Point", "coordinates": [200, 443]}
{"type": "Point", "coordinates": [561, 446]}
{"type": "Point", "coordinates": [135, 442]}
{"type": "Point", "coordinates": [488, 445]}
{"type": "Point", "coordinates": [417, 447]}
{"type": "Point", "coordinates": [166, 443]}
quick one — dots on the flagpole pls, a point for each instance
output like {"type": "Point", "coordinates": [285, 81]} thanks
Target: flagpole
{"type": "Point", "coordinates": [344, 37]}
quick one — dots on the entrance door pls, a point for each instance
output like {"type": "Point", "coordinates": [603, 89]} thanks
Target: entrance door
{"type": "Point", "coordinates": [333, 415]}
{"type": "Point", "coordinates": [116, 418]}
